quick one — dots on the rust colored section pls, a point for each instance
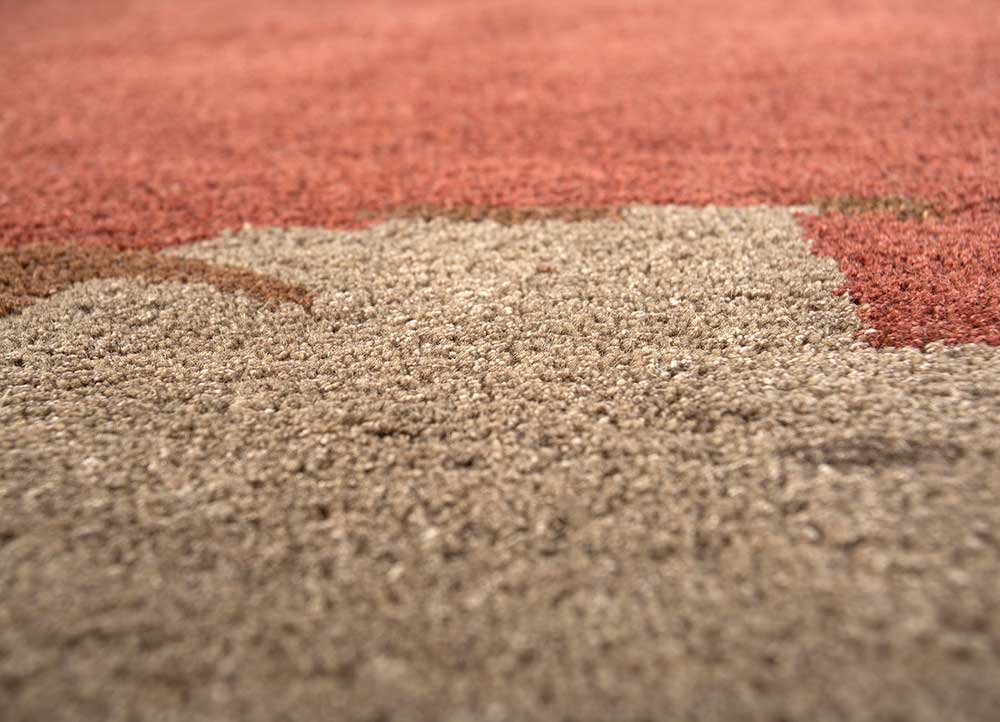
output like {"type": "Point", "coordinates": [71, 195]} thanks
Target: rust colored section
{"type": "Point", "coordinates": [33, 272]}
{"type": "Point", "coordinates": [917, 281]}
{"type": "Point", "coordinates": [156, 123]}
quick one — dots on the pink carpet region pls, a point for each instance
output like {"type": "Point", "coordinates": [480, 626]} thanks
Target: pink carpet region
{"type": "Point", "coordinates": [154, 123]}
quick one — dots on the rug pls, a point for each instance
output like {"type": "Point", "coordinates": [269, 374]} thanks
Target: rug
{"type": "Point", "coordinates": [510, 360]}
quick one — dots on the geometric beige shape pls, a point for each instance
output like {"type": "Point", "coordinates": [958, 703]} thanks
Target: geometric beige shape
{"type": "Point", "coordinates": [596, 470]}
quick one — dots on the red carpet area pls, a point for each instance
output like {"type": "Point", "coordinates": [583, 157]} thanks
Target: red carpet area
{"type": "Point", "coordinates": [156, 123]}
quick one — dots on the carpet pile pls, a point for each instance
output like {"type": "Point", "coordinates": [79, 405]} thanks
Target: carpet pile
{"type": "Point", "coordinates": [499, 361]}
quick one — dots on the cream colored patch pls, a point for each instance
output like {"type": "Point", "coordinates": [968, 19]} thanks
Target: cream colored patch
{"type": "Point", "coordinates": [591, 470]}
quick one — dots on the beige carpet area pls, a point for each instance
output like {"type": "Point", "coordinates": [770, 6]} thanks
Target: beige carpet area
{"type": "Point", "coordinates": [617, 469]}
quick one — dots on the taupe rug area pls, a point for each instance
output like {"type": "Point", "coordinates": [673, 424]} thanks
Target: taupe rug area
{"type": "Point", "coordinates": [624, 469]}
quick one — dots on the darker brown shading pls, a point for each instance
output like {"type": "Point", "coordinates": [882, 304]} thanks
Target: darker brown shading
{"type": "Point", "coordinates": [878, 452]}
{"type": "Point", "coordinates": [502, 215]}
{"type": "Point", "coordinates": [904, 208]}
{"type": "Point", "coordinates": [33, 272]}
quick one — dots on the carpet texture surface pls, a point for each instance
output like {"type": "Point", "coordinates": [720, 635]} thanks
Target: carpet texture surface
{"type": "Point", "coordinates": [618, 469]}
{"type": "Point", "coordinates": [432, 360]}
{"type": "Point", "coordinates": [153, 123]}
